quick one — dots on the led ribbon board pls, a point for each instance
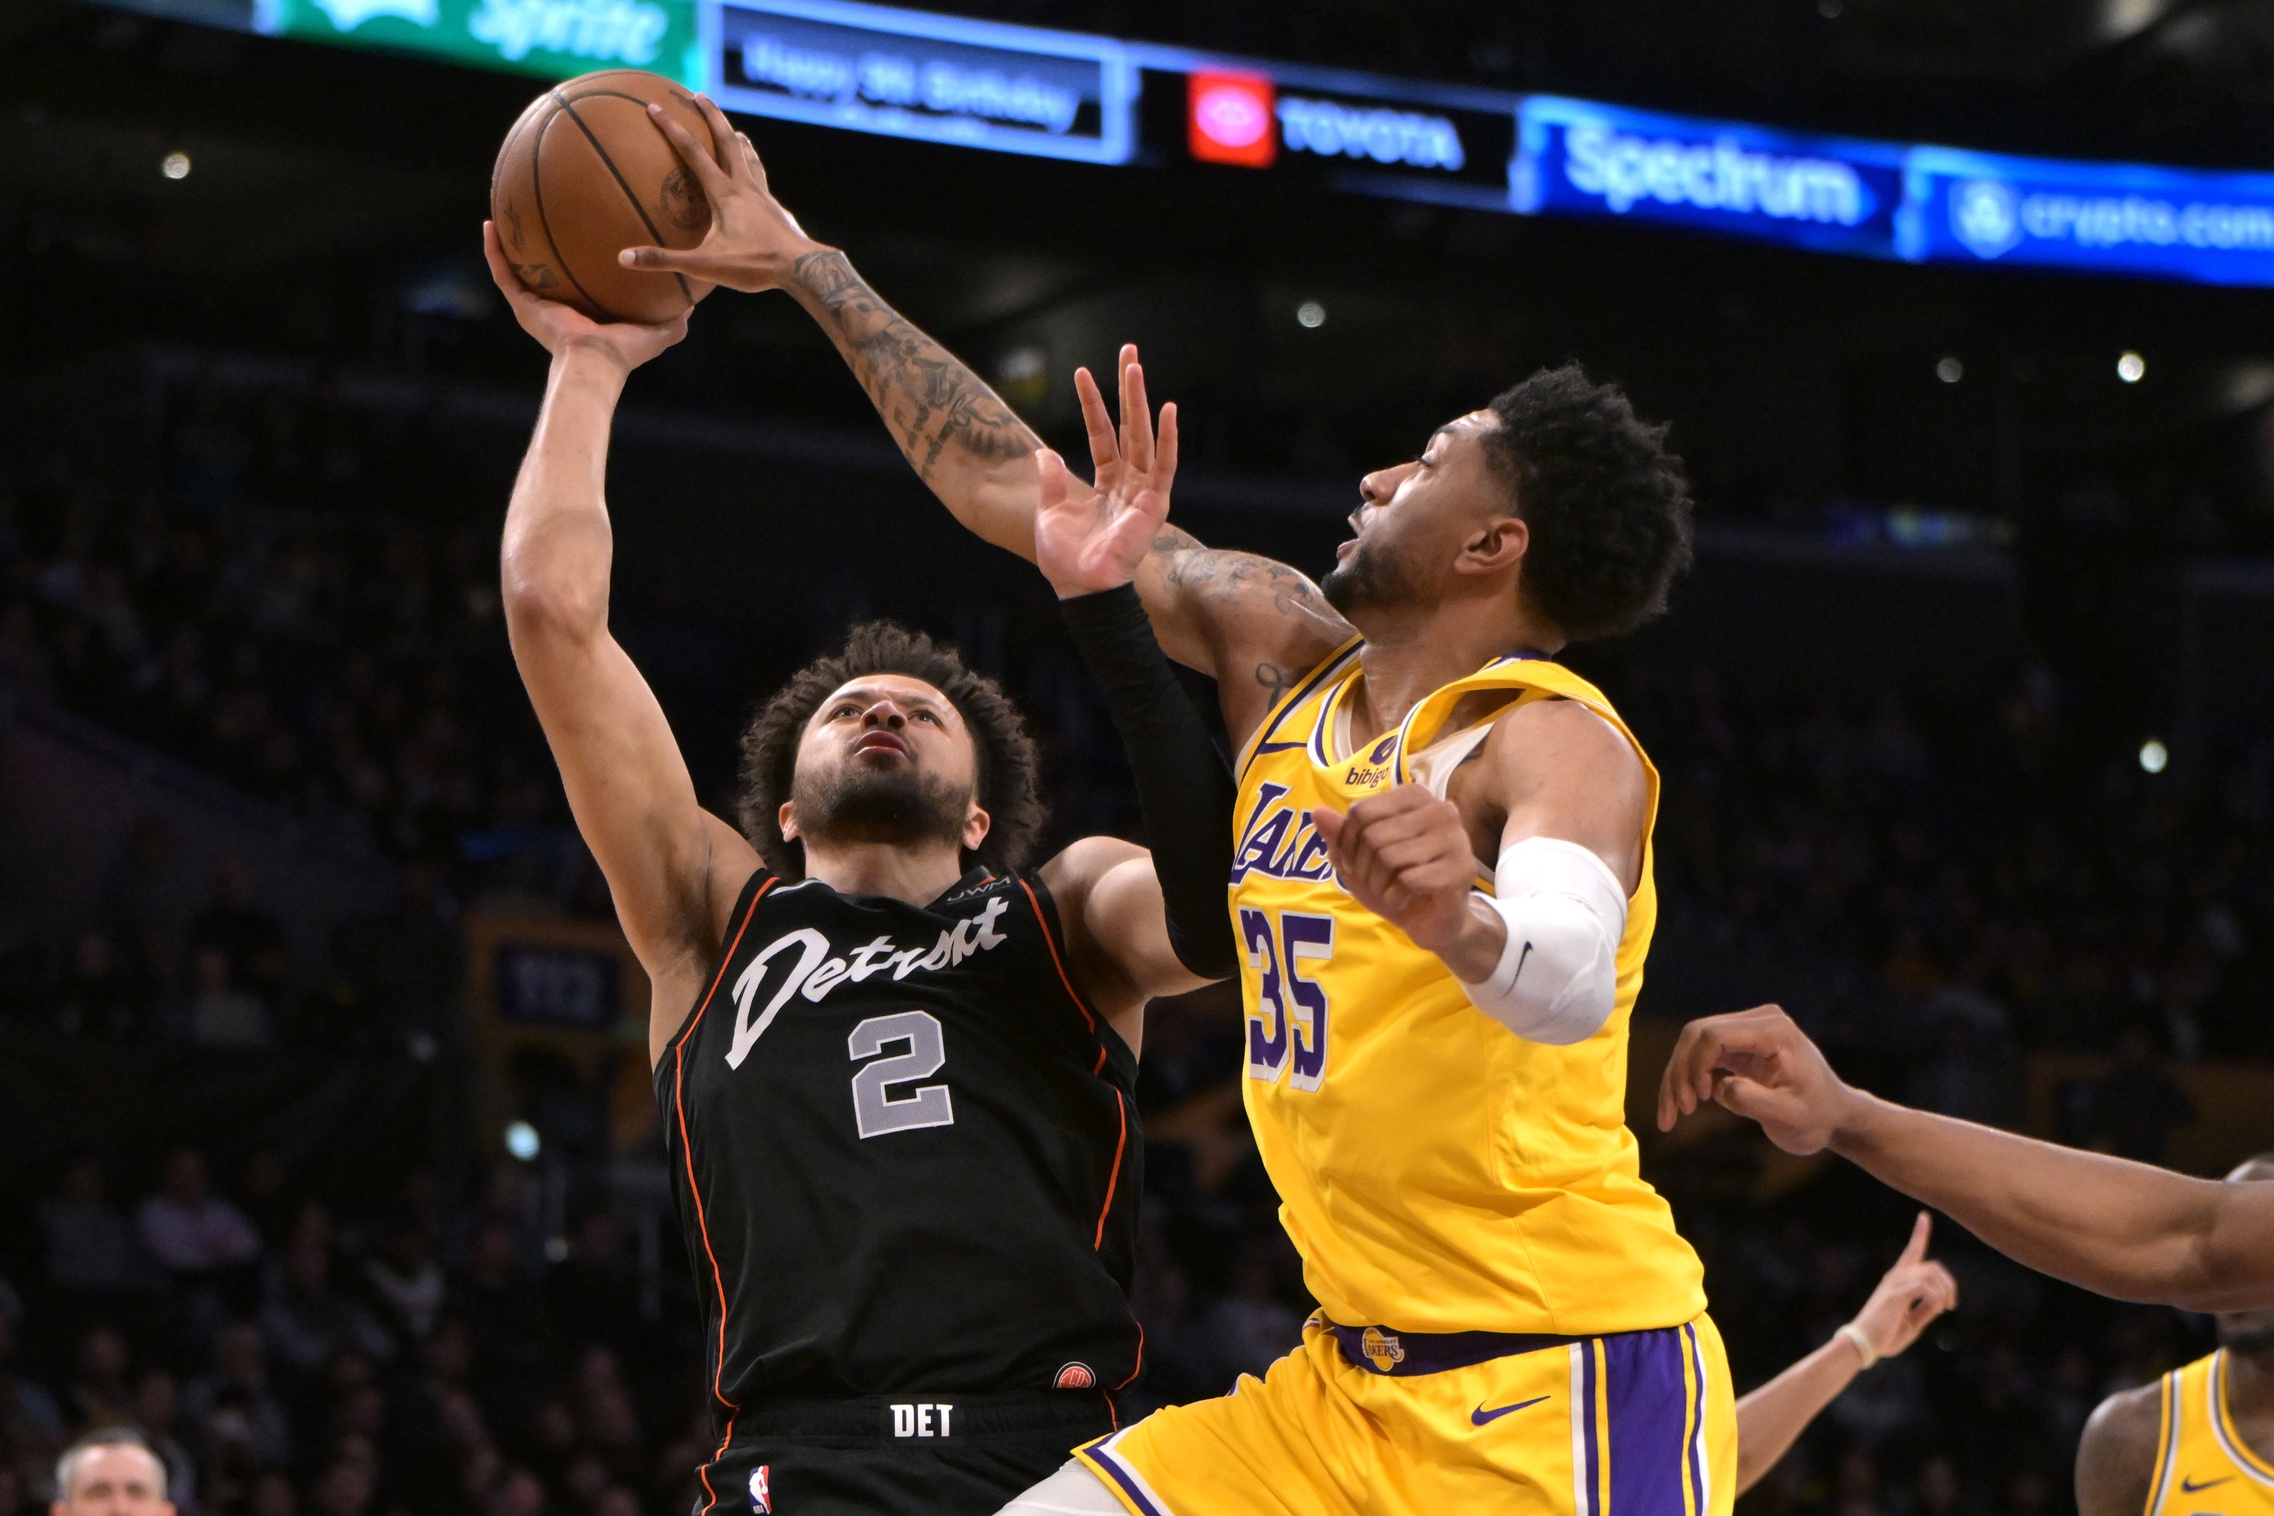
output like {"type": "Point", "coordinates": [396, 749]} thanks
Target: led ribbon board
{"type": "Point", "coordinates": [554, 38]}
{"type": "Point", "coordinates": [937, 78]}
{"type": "Point", "coordinates": [1577, 158]}
{"type": "Point", "coordinates": [2208, 228]}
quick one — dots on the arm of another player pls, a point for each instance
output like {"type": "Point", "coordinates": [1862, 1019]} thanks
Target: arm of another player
{"type": "Point", "coordinates": [1910, 1295]}
{"type": "Point", "coordinates": [673, 868]}
{"type": "Point", "coordinates": [1575, 798]}
{"type": "Point", "coordinates": [1141, 924]}
{"type": "Point", "coordinates": [2106, 1224]}
{"type": "Point", "coordinates": [1253, 624]}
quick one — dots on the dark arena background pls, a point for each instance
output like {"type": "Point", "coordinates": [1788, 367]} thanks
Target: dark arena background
{"type": "Point", "coordinates": [328, 1154]}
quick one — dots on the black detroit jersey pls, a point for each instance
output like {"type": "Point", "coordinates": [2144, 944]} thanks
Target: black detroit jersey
{"type": "Point", "coordinates": [905, 1153]}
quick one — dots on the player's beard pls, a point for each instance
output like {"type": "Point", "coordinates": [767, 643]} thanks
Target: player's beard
{"type": "Point", "coordinates": [898, 805]}
{"type": "Point", "coordinates": [1366, 579]}
{"type": "Point", "coordinates": [2250, 1333]}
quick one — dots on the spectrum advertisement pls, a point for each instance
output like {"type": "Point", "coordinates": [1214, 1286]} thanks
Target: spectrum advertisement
{"type": "Point", "coordinates": [1576, 158]}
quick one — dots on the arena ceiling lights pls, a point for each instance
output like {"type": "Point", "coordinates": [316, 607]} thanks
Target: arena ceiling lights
{"type": "Point", "coordinates": [1092, 99]}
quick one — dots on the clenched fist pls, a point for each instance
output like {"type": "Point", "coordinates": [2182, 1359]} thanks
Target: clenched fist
{"type": "Point", "coordinates": [1405, 855]}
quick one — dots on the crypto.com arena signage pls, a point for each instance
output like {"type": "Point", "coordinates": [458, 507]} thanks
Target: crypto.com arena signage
{"type": "Point", "coordinates": [1016, 89]}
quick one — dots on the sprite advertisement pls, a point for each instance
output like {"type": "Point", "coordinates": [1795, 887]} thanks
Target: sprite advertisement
{"type": "Point", "coordinates": [554, 38]}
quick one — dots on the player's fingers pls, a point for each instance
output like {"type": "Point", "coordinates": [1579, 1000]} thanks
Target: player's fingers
{"type": "Point", "coordinates": [1916, 1248]}
{"type": "Point", "coordinates": [701, 161]}
{"type": "Point", "coordinates": [1164, 463]}
{"type": "Point", "coordinates": [723, 134]}
{"type": "Point", "coordinates": [667, 260]}
{"type": "Point", "coordinates": [1682, 1086]}
{"type": "Point", "coordinates": [501, 268]}
{"type": "Point", "coordinates": [1136, 419]}
{"type": "Point", "coordinates": [1105, 451]}
{"type": "Point", "coordinates": [1329, 821]}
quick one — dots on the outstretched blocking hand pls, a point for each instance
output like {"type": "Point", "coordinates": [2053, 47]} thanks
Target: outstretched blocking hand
{"type": "Point", "coordinates": [1087, 542]}
{"type": "Point", "coordinates": [1910, 1295]}
{"type": "Point", "coordinates": [1759, 1064]}
{"type": "Point", "coordinates": [1405, 855]}
{"type": "Point", "coordinates": [754, 243]}
{"type": "Point", "coordinates": [563, 327]}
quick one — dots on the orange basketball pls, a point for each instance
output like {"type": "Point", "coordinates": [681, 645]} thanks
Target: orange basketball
{"type": "Point", "coordinates": [585, 174]}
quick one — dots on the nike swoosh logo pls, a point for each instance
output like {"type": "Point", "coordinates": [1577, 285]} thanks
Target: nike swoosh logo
{"type": "Point", "coordinates": [2191, 1487]}
{"type": "Point", "coordinates": [1521, 959]}
{"type": "Point", "coordinates": [1276, 747]}
{"type": "Point", "coordinates": [1480, 1416]}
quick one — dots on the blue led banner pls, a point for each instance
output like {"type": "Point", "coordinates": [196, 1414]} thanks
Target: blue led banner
{"type": "Point", "coordinates": [1576, 158]}
{"type": "Point", "coordinates": [2106, 217]}
{"type": "Point", "coordinates": [910, 74]}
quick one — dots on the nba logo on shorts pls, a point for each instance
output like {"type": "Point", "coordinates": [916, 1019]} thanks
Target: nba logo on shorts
{"type": "Point", "coordinates": [1074, 1376]}
{"type": "Point", "coordinates": [761, 1500]}
{"type": "Point", "coordinates": [1382, 1349]}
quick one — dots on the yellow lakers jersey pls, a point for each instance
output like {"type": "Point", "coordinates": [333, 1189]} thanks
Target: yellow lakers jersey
{"type": "Point", "coordinates": [2202, 1464]}
{"type": "Point", "coordinates": [1437, 1172]}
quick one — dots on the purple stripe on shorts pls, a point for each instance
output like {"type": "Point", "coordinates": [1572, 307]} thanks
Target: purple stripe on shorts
{"type": "Point", "coordinates": [1694, 1432]}
{"type": "Point", "coordinates": [1125, 1480]}
{"type": "Point", "coordinates": [1590, 1428]}
{"type": "Point", "coordinates": [1649, 1422]}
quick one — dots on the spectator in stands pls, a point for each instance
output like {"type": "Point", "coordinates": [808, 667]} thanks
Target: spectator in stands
{"type": "Point", "coordinates": [111, 1472]}
{"type": "Point", "coordinates": [191, 1231]}
{"type": "Point", "coordinates": [27, 1411]}
{"type": "Point", "coordinates": [304, 1321]}
{"type": "Point", "coordinates": [157, 1413]}
{"type": "Point", "coordinates": [221, 1014]}
{"type": "Point", "coordinates": [130, 906]}
{"type": "Point", "coordinates": [101, 1392]}
{"type": "Point", "coordinates": [2135, 1108]}
{"type": "Point", "coordinates": [406, 1282]}
{"type": "Point", "coordinates": [234, 1406]}
{"type": "Point", "coordinates": [250, 940]}
{"type": "Point", "coordinates": [90, 1248]}
{"type": "Point", "coordinates": [98, 996]}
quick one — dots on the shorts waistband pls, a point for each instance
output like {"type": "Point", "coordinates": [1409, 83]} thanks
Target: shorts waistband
{"type": "Point", "coordinates": [1382, 1351]}
{"type": "Point", "coordinates": [932, 1414]}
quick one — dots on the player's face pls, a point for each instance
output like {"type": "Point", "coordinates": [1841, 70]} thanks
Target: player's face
{"type": "Point", "coordinates": [1414, 518]}
{"type": "Point", "coordinates": [115, 1481]}
{"type": "Point", "coordinates": [886, 758]}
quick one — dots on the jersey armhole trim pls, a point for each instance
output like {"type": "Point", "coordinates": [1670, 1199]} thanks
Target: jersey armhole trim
{"type": "Point", "coordinates": [2223, 1428]}
{"type": "Point", "coordinates": [2167, 1441]}
{"type": "Point", "coordinates": [1279, 713]}
{"type": "Point", "coordinates": [763, 882]}
{"type": "Point", "coordinates": [695, 1189]}
{"type": "Point", "coordinates": [1057, 961]}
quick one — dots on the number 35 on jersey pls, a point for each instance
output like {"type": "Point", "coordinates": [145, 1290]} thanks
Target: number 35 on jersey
{"type": "Point", "coordinates": [1288, 1019]}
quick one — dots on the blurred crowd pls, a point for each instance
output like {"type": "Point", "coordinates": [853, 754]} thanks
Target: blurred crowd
{"type": "Point", "coordinates": [298, 597]}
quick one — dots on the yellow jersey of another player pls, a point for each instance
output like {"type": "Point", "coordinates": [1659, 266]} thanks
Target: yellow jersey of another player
{"type": "Point", "coordinates": [1437, 1172]}
{"type": "Point", "coordinates": [2203, 1467]}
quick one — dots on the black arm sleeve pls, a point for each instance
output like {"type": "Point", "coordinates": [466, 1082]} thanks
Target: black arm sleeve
{"type": "Point", "coordinates": [1184, 787]}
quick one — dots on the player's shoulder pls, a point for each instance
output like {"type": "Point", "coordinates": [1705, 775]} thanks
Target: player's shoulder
{"type": "Point", "coordinates": [1546, 734]}
{"type": "Point", "coordinates": [2116, 1457]}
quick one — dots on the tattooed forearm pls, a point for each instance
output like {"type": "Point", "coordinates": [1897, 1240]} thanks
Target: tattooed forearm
{"type": "Point", "coordinates": [929, 399]}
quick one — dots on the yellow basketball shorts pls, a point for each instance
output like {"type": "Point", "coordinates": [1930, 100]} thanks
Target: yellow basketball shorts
{"type": "Point", "coordinates": [1388, 1424]}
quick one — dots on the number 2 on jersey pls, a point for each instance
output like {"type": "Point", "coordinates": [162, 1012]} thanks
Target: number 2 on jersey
{"type": "Point", "coordinates": [878, 1112]}
{"type": "Point", "coordinates": [1287, 1026]}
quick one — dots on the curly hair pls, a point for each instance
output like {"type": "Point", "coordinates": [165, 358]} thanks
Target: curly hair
{"type": "Point", "coordinates": [1608, 505]}
{"type": "Point", "coordinates": [1009, 780]}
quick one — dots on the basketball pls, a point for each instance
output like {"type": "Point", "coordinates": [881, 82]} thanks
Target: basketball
{"type": "Point", "coordinates": [585, 174]}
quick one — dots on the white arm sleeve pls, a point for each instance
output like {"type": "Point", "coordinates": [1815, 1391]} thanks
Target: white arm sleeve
{"type": "Point", "coordinates": [1558, 978]}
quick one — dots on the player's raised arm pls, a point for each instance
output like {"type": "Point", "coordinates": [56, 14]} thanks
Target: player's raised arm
{"type": "Point", "coordinates": [665, 858]}
{"type": "Point", "coordinates": [1145, 924]}
{"type": "Point", "coordinates": [1255, 625]}
{"type": "Point", "coordinates": [1909, 1296]}
{"type": "Point", "coordinates": [2107, 1224]}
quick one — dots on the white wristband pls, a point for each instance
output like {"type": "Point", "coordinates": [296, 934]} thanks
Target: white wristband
{"type": "Point", "coordinates": [1860, 1341]}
